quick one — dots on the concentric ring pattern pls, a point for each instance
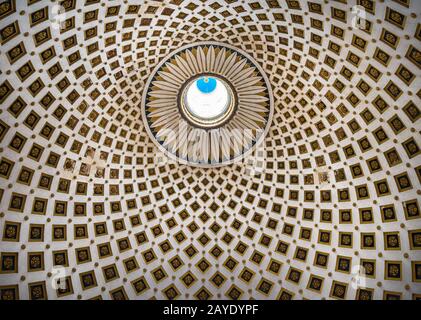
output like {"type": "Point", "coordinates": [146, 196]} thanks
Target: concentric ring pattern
{"type": "Point", "coordinates": [169, 124]}
{"type": "Point", "coordinates": [81, 194]}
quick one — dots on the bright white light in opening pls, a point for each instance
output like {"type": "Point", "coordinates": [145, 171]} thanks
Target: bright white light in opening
{"type": "Point", "coordinates": [207, 105]}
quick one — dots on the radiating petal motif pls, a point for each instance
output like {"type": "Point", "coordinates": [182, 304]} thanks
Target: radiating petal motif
{"type": "Point", "coordinates": [219, 60]}
{"type": "Point", "coordinates": [210, 146]}
{"type": "Point", "coordinates": [182, 63]}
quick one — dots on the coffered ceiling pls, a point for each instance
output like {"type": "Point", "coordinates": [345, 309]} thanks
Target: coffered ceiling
{"type": "Point", "coordinates": [81, 187]}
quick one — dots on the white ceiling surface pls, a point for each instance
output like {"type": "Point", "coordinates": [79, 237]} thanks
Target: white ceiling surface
{"type": "Point", "coordinates": [135, 59]}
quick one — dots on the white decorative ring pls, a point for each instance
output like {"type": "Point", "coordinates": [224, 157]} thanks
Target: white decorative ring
{"type": "Point", "coordinates": [240, 105]}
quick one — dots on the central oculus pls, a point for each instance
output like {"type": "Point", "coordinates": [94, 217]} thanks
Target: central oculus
{"type": "Point", "coordinates": [207, 101]}
{"type": "Point", "coordinates": [207, 84]}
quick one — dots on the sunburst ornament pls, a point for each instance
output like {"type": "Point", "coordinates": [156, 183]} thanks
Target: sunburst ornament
{"type": "Point", "coordinates": [207, 104]}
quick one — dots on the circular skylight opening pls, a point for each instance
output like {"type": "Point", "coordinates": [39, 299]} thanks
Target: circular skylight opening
{"type": "Point", "coordinates": [207, 98]}
{"type": "Point", "coordinates": [207, 84]}
{"type": "Point", "coordinates": [207, 101]}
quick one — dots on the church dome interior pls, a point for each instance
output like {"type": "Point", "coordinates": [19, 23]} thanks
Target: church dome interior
{"type": "Point", "coordinates": [319, 200]}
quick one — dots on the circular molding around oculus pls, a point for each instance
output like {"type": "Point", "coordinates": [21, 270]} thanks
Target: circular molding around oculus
{"type": "Point", "coordinates": [207, 104]}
